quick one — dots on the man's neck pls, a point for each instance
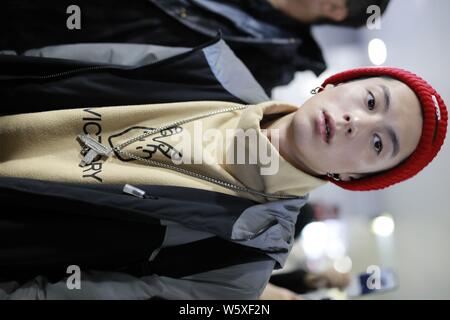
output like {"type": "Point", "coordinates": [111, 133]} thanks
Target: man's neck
{"type": "Point", "coordinates": [285, 136]}
{"type": "Point", "coordinates": [279, 123]}
{"type": "Point", "coordinates": [277, 4]}
{"type": "Point", "coordinates": [301, 11]}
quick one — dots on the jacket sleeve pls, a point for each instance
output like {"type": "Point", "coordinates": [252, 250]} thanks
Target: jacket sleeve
{"type": "Point", "coordinates": [245, 281]}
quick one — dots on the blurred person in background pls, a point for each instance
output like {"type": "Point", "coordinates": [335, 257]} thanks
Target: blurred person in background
{"type": "Point", "coordinates": [272, 37]}
{"type": "Point", "coordinates": [295, 278]}
{"type": "Point", "coordinates": [292, 285]}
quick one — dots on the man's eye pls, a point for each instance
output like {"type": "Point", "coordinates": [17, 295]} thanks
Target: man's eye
{"type": "Point", "coordinates": [377, 144]}
{"type": "Point", "coordinates": [370, 101]}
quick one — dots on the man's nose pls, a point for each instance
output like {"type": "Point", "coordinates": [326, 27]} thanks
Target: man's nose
{"type": "Point", "coordinates": [350, 124]}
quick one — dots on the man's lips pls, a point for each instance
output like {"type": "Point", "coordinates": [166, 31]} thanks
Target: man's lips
{"type": "Point", "coordinates": [325, 126]}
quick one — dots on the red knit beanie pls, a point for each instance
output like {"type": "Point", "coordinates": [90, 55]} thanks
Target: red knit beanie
{"type": "Point", "coordinates": [433, 130]}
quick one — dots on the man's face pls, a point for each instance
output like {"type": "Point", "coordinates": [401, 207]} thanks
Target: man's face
{"type": "Point", "coordinates": [357, 128]}
{"type": "Point", "coordinates": [309, 11]}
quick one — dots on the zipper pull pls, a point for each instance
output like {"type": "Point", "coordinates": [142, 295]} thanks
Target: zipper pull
{"type": "Point", "coordinates": [134, 191]}
{"type": "Point", "coordinates": [259, 232]}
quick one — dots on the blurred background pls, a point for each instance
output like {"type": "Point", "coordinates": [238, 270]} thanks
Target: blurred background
{"type": "Point", "coordinates": [413, 234]}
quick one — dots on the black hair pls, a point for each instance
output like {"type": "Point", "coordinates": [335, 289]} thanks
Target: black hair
{"type": "Point", "coordinates": [357, 15]}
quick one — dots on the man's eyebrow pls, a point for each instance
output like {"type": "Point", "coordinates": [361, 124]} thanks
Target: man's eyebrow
{"type": "Point", "coordinates": [387, 97]}
{"type": "Point", "coordinates": [392, 135]}
{"type": "Point", "coordinates": [394, 139]}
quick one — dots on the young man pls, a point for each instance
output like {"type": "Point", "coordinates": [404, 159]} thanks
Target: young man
{"type": "Point", "coordinates": [362, 116]}
{"type": "Point", "coordinates": [354, 131]}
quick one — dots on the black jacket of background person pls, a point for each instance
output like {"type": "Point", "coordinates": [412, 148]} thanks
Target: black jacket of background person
{"type": "Point", "coordinates": [272, 45]}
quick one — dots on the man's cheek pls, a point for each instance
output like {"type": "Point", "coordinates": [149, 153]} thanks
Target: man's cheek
{"type": "Point", "coordinates": [345, 155]}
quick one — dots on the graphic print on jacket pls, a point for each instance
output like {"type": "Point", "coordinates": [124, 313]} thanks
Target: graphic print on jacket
{"type": "Point", "coordinates": [146, 147]}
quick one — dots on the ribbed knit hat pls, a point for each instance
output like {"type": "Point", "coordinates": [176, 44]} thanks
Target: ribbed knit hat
{"type": "Point", "coordinates": [434, 127]}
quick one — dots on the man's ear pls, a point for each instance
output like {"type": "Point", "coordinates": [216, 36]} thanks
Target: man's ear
{"type": "Point", "coordinates": [350, 176]}
{"type": "Point", "coordinates": [329, 86]}
{"type": "Point", "coordinates": [335, 10]}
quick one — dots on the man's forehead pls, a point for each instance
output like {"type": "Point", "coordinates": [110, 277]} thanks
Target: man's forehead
{"type": "Point", "coordinates": [394, 86]}
{"type": "Point", "coordinates": [376, 80]}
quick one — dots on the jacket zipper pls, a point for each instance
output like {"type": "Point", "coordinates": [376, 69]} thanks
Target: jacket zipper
{"type": "Point", "coordinates": [70, 72]}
